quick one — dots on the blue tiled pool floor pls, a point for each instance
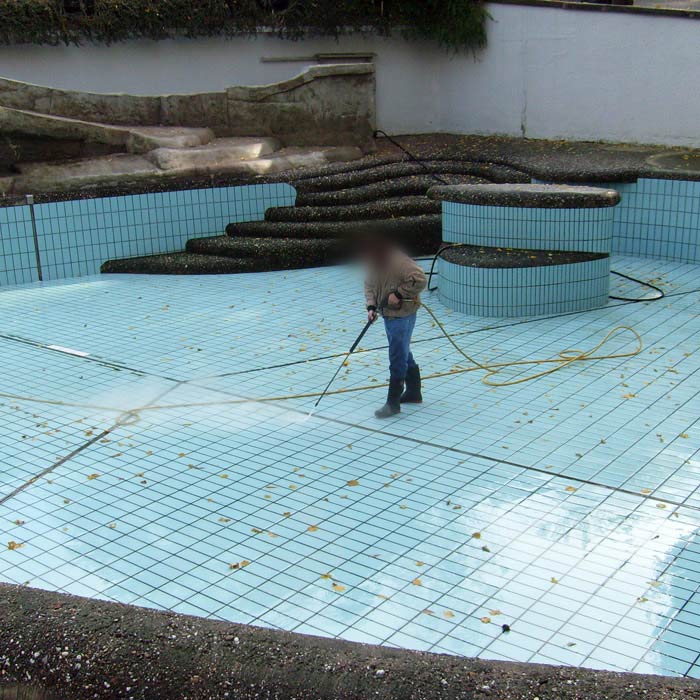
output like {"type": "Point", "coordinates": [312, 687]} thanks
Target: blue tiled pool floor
{"type": "Point", "coordinates": [566, 508]}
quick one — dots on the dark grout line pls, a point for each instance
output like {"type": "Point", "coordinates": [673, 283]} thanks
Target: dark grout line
{"type": "Point", "coordinates": [78, 450]}
{"type": "Point", "coordinates": [57, 464]}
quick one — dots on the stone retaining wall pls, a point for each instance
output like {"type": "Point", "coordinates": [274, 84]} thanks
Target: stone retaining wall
{"type": "Point", "coordinates": [325, 105]}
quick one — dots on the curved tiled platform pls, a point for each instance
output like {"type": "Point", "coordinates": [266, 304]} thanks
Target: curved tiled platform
{"type": "Point", "coordinates": [533, 216]}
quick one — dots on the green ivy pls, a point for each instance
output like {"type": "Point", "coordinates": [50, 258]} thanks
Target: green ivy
{"type": "Point", "coordinates": [454, 24]}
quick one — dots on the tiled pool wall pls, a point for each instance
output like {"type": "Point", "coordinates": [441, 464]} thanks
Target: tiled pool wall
{"type": "Point", "coordinates": [75, 237]}
{"type": "Point", "coordinates": [526, 291]}
{"type": "Point", "coordinates": [586, 230]}
{"type": "Point", "coordinates": [656, 218]}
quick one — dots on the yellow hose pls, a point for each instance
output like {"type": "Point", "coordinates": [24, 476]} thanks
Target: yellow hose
{"type": "Point", "coordinates": [564, 359]}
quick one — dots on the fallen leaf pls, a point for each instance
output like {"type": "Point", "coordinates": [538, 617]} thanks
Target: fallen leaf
{"type": "Point", "coordinates": [239, 564]}
{"type": "Point", "coordinates": [570, 489]}
{"type": "Point", "coordinates": [12, 545]}
{"type": "Point", "coordinates": [554, 580]}
{"type": "Point", "coordinates": [486, 620]}
{"type": "Point", "coordinates": [476, 535]}
{"type": "Point", "coordinates": [224, 520]}
{"type": "Point", "coordinates": [312, 528]}
{"type": "Point", "coordinates": [326, 576]}
{"type": "Point", "coordinates": [448, 614]}
{"type": "Point", "coordinates": [420, 563]}
{"type": "Point", "coordinates": [495, 613]}
{"type": "Point", "coordinates": [353, 482]}
{"type": "Point", "coordinates": [91, 477]}
{"type": "Point", "coordinates": [338, 588]}
{"type": "Point", "coordinates": [417, 582]}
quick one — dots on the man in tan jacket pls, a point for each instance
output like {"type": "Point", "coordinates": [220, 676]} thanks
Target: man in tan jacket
{"type": "Point", "coordinates": [392, 288]}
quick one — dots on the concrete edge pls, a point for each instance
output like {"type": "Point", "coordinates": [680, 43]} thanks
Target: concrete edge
{"type": "Point", "coordinates": [530, 196]}
{"type": "Point", "coordinates": [70, 647]}
{"type": "Point", "coordinates": [257, 93]}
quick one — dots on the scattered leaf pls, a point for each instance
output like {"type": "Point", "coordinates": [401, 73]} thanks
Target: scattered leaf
{"type": "Point", "coordinates": [448, 614]}
{"type": "Point", "coordinates": [224, 520]}
{"type": "Point", "coordinates": [554, 580]}
{"type": "Point", "coordinates": [486, 620]}
{"type": "Point", "coordinates": [12, 545]}
{"type": "Point", "coordinates": [570, 489]}
{"type": "Point", "coordinates": [338, 588]}
{"type": "Point", "coordinates": [91, 477]}
{"type": "Point", "coordinates": [353, 482]}
{"type": "Point", "coordinates": [239, 564]}
{"type": "Point", "coordinates": [312, 528]}
{"type": "Point", "coordinates": [476, 535]}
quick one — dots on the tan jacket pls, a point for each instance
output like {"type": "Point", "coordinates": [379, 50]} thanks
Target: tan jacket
{"type": "Point", "coordinates": [401, 275]}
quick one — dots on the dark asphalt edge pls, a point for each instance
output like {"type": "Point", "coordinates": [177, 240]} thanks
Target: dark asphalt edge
{"type": "Point", "coordinates": [77, 648]}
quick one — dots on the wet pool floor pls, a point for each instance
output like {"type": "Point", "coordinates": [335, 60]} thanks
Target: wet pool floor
{"type": "Point", "coordinates": [566, 508]}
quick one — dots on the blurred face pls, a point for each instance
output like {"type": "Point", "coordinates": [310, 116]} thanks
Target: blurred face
{"type": "Point", "coordinates": [373, 249]}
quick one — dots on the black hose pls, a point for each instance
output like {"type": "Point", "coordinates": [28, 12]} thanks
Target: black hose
{"type": "Point", "coordinates": [410, 155]}
{"type": "Point", "coordinates": [661, 293]}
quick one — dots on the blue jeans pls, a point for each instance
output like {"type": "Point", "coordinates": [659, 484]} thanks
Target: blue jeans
{"type": "Point", "coordinates": [398, 333]}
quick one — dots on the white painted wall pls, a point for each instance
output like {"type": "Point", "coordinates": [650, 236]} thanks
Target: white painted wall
{"type": "Point", "coordinates": [546, 73]}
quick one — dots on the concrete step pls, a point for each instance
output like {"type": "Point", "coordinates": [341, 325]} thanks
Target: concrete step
{"type": "Point", "coordinates": [380, 209]}
{"type": "Point", "coordinates": [288, 252]}
{"type": "Point", "coordinates": [134, 139]}
{"type": "Point", "coordinates": [180, 264]}
{"type": "Point", "coordinates": [216, 155]}
{"type": "Point", "coordinates": [409, 185]}
{"type": "Point", "coordinates": [420, 233]}
{"type": "Point", "coordinates": [143, 139]}
{"type": "Point", "coordinates": [120, 169]}
{"type": "Point", "coordinates": [124, 170]}
{"type": "Point", "coordinates": [356, 178]}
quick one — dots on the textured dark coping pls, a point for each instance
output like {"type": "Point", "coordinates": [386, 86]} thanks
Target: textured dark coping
{"type": "Point", "coordinates": [530, 196]}
{"type": "Point", "coordinates": [492, 257]}
{"type": "Point", "coordinates": [82, 649]}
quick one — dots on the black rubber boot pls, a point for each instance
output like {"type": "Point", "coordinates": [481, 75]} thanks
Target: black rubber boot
{"type": "Point", "coordinates": [393, 400]}
{"type": "Point", "coordinates": [413, 392]}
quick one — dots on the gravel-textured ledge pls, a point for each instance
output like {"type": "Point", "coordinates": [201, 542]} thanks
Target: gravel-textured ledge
{"type": "Point", "coordinates": [407, 185]}
{"type": "Point", "coordinates": [69, 647]}
{"type": "Point", "coordinates": [379, 209]}
{"type": "Point", "coordinates": [492, 257]}
{"type": "Point", "coordinates": [527, 196]}
{"type": "Point", "coordinates": [181, 264]}
{"type": "Point", "coordinates": [426, 227]}
{"type": "Point", "coordinates": [357, 177]}
{"type": "Point", "coordinates": [287, 251]}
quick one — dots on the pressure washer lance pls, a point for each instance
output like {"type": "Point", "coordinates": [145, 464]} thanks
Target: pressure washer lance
{"type": "Point", "coordinates": [345, 358]}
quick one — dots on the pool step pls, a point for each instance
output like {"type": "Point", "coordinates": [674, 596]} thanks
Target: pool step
{"type": "Point", "coordinates": [423, 230]}
{"type": "Point", "coordinates": [379, 209]}
{"type": "Point", "coordinates": [406, 186]}
{"type": "Point", "coordinates": [298, 252]}
{"type": "Point", "coordinates": [380, 173]}
{"type": "Point", "coordinates": [180, 264]}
